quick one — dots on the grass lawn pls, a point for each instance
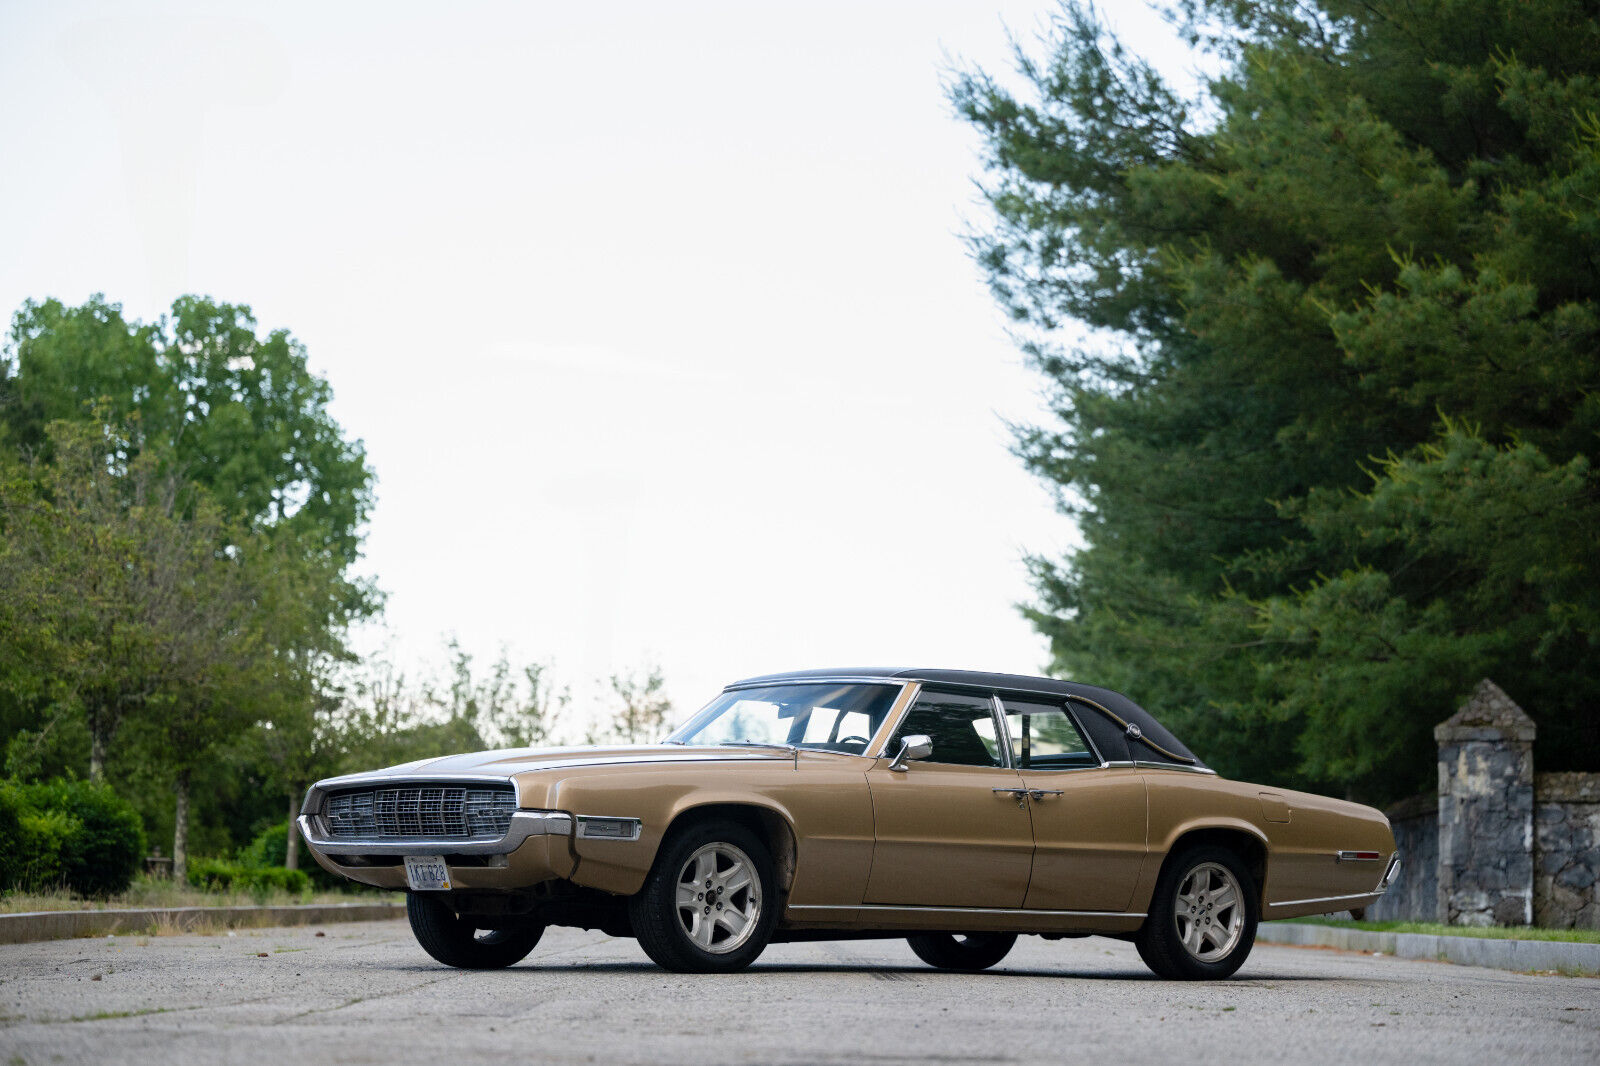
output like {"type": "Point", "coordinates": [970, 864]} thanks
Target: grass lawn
{"type": "Point", "coordinates": [1492, 932]}
{"type": "Point", "coordinates": [151, 892]}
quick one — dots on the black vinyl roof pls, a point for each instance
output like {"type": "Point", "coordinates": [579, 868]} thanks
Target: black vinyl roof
{"type": "Point", "coordinates": [1113, 701]}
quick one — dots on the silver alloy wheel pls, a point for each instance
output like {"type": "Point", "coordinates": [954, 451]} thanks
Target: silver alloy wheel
{"type": "Point", "coordinates": [1210, 911]}
{"type": "Point", "coordinates": [718, 898]}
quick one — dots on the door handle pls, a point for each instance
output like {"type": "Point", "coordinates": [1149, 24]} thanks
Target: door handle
{"type": "Point", "coordinates": [1041, 793]}
{"type": "Point", "coordinates": [1021, 795]}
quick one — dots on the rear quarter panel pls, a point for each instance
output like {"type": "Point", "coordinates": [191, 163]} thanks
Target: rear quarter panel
{"type": "Point", "coordinates": [1302, 834]}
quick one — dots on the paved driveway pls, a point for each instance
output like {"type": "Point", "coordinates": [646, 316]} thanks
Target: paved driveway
{"type": "Point", "coordinates": [365, 993]}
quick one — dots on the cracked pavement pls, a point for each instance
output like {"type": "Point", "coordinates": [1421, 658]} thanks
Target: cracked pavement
{"type": "Point", "coordinates": [365, 993]}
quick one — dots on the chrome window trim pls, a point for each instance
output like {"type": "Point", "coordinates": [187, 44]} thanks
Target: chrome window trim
{"type": "Point", "coordinates": [916, 690]}
{"type": "Point", "coordinates": [879, 748]}
{"type": "Point", "coordinates": [1144, 764]}
{"type": "Point", "coordinates": [892, 718]}
{"type": "Point", "coordinates": [830, 679]}
{"type": "Point", "coordinates": [1065, 701]}
{"type": "Point", "coordinates": [524, 824]}
{"type": "Point", "coordinates": [635, 826]}
{"type": "Point", "coordinates": [1002, 735]}
{"type": "Point", "coordinates": [1017, 911]}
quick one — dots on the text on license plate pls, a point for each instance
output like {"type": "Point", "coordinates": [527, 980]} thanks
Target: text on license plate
{"type": "Point", "coordinates": [427, 873]}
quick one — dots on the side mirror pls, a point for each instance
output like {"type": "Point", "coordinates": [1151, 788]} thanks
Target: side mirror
{"type": "Point", "coordinates": [911, 748]}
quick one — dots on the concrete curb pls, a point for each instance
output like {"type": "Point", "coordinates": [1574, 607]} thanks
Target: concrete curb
{"type": "Point", "coordinates": [1561, 955]}
{"type": "Point", "coordinates": [56, 925]}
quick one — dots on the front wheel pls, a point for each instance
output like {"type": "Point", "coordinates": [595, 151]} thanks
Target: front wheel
{"type": "Point", "coordinates": [457, 942]}
{"type": "Point", "coordinates": [961, 951]}
{"type": "Point", "coordinates": [708, 905]}
{"type": "Point", "coordinates": [1202, 921]}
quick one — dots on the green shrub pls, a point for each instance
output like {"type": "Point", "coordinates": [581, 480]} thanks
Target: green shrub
{"type": "Point", "coordinates": [46, 837]}
{"type": "Point", "coordinates": [271, 848]}
{"type": "Point", "coordinates": [13, 838]}
{"type": "Point", "coordinates": [103, 856]}
{"type": "Point", "coordinates": [68, 833]}
{"type": "Point", "coordinates": [219, 875]}
{"type": "Point", "coordinates": [213, 875]}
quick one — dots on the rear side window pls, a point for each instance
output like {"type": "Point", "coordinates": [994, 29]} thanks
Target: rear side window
{"type": "Point", "coordinates": [1044, 737]}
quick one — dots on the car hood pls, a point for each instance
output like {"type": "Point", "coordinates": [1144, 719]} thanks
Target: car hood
{"type": "Point", "coordinates": [508, 761]}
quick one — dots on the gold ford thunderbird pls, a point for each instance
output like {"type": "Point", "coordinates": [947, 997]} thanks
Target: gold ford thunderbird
{"type": "Point", "coordinates": [955, 809]}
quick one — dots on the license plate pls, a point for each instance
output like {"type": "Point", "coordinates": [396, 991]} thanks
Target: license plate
{"type": "Point", "coordinates": [427, 873]}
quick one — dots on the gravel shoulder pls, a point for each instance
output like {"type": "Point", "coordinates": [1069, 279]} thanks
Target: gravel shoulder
{"type": "Point", "coordinates": [365, 993]}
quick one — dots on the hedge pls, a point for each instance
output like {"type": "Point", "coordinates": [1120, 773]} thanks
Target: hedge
{"type": "Point", "coordinates": [68, 833]}
{"type": "Point", "coordinates": [271, 848]}
{"type": "Point", "coordinates": [219, 875]}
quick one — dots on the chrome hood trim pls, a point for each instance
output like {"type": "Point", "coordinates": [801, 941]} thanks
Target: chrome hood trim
{"type": "Point", "coordinates": [506, 762]}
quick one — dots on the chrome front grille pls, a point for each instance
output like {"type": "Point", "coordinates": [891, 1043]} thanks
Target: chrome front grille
{"type": "Point", "coordinates": [425, 812]}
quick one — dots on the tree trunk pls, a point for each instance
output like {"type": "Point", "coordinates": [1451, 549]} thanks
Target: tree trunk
{"type": "Point", "coordinates": [97, 753]}
{"type": "Point", "coordinates": [180, 828]}
{"type": "Point", "coordinates": [291, 853]}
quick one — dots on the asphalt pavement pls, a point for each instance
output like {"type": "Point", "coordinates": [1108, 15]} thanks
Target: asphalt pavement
{"type": "Point", "coordinates": [365, 993]}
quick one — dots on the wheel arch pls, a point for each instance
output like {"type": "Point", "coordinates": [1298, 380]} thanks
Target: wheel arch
{"type": "Point", "coordinates": [771, 825]}
{"type": "Point", "coordinates": [1248, 844]}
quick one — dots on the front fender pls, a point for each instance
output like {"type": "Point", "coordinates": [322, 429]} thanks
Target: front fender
{"type": "Point", "coordinates": [823, 805]}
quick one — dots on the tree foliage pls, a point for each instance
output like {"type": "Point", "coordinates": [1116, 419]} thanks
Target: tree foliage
{"type": "Point", "coordinates": [179, 515]}
{"type": "Point", "coordinates": [1322, 356]}
{"type": "Point", "coordinates": [643, 707]}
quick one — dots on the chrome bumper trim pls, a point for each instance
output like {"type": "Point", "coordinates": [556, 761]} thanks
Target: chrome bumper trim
{"type": "Point", "coordinates": [1391, 872]}
{"type": "Point", "coordinates": [524, 824]}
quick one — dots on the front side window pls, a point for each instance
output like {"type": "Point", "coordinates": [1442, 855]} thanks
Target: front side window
{"type": "Point", "coordinates": [826, 717]}
{"type": "Point", "coordinates": [960, 726]}
{"type": "Point", "coordinates": [1044, 737]}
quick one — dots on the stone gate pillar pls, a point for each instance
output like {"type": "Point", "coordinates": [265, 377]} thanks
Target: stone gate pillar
{"type": "Point", "coordinates": [1486, 812]}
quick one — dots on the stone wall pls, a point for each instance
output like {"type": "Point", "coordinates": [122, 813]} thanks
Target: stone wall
{"type": "Point", "coordinates": [1414, 896]}
{"type": "Point", "coordinates": [1498, 844]}
{"type": "Point", "coordinates": [1566, 849]}
{"type": "Point", "coordinates": [1486, 811]}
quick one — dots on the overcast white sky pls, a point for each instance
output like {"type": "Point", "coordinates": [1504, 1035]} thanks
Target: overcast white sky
{"type": "Point", "coordinates": [654, 317]}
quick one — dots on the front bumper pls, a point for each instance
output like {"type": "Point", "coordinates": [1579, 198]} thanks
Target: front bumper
{"type": "Point", "coordinates": [536, 847]}
{"type": "Point", "coordinates": [524, 824]}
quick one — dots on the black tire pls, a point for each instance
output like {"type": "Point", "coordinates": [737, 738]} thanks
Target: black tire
{"type": "Point", "coordinates": [456, 942]}
{"type": "Point", "coordinates": [691, 931]}
{"type": "Point", "coordinates": [1201, 924]}
{"type": "Point", "coordinates": [962, 951]}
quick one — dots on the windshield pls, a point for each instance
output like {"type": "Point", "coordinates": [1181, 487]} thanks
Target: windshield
{"type": "Point", "coordinates": [827, 717]}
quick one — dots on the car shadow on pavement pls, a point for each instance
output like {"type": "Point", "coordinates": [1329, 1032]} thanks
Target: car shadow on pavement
{"type": "Point", "coordinates": [894, 973]}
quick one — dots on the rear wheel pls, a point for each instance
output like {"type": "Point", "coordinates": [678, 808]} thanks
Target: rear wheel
{"type": "Point", "coordinates": [708, 905]}
{"type": "Point", "coordinates": [961, 951]}
{"type": "Point", "coordinates": [1202, 921]}
{"type": "Point", "coordinates": [455, 941]}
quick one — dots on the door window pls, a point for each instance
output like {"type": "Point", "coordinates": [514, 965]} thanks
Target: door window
{"type": "Point", "coordinates": [960, 726]}
{"type": "Point", "coordinates": [1044, 737]}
